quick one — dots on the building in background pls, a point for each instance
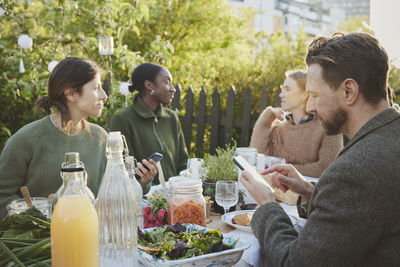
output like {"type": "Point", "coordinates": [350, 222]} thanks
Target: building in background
{"type": "Point", "coordinates": [352, 8]}
{"type": "Point", "coordinates": [290, 16]}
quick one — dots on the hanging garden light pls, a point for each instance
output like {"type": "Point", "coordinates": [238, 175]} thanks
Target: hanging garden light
{"type": "Point", "coordinates": [2, 11]}
{"type": "Point", "coordinates": [106, 45]}
{"type": "Point", "coordinates": [52, 65]}
{"type": "Point", "coordinates": [124, 90]}
{"type": "Point", "coordinates": [24, 42]}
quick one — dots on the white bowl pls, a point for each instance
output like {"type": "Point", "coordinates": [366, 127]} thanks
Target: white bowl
{"type": "Point", "coordinates": [223, 258]}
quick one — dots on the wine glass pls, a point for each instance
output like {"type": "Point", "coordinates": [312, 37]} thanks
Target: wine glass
{"type": "Point", "coordinates": [226, 194]}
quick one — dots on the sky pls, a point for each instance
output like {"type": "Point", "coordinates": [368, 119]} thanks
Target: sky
{"type": "Point", "coordinates": [385, 21]}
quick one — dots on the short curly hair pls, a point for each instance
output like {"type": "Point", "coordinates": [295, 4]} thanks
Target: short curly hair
{"type": "Point", "coordinates": [358, 56]}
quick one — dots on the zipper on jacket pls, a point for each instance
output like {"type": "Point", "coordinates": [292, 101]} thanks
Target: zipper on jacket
{"type": "Point", "coordinates": [156, 133]}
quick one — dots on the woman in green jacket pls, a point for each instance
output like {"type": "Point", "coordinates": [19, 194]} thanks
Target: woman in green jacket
{"type": "Point", "coordinates": [150, 127]}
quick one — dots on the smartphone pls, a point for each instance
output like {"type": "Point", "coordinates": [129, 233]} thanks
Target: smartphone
{"type": "Point", "coordinates": [155, 156]}
{"type": "Point", "coordinates": [243, 164]}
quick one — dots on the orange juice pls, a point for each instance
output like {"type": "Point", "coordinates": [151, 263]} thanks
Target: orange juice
{"type": "Point", "coordinates": [74, 233]}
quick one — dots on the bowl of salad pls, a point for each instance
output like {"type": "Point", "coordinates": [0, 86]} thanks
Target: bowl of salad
{"type": "Point", "coordinates": [188, 245]}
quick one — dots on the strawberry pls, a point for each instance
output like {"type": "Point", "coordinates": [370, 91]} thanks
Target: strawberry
{"type": "Point", "coordinates": [161, 214]}
{"type": "Point", "coordinates": [151, 217]}
{"type": "Point", "coordinates": [146, 210]}
{"type": "Point", "coordinates": [159, 223]}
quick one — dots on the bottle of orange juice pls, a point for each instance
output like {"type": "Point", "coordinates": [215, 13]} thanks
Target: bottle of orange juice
{"type": "Point", "coordinates": [74, 226]}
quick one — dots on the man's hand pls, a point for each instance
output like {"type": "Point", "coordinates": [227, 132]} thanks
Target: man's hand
{"type": "Point", "coordinates": [286, 177]}
{"type": "Point", "coordinates": [146, 175]}
{"type": "Point", "coordinates": [258, 188]}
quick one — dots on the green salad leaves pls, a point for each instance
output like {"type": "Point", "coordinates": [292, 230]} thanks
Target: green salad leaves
{"type": "Point", "coordinates": [176, 242]}
{"type": "Point", "coordinates": [25, 240]}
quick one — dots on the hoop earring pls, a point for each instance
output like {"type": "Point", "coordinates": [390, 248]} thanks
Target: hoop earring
{"type": "Point", "coordinates": [152, 92]}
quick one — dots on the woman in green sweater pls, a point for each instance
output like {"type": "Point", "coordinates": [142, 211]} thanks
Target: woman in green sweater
{"type": "Point", "coordinates": [150, 127]}
{"type": "Point", "coordinates": [33, 155]}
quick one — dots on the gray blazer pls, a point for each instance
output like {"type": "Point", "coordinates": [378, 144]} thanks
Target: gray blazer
{"type": "Point", "coordinates": [354, 212]}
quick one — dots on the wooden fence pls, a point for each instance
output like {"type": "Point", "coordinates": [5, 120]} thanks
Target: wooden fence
{"type": "Point", "coordinates": [221, 122]}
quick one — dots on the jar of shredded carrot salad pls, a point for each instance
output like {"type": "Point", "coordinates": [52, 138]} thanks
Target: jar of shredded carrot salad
{"type": "Point", "coordinates": [186, 203]}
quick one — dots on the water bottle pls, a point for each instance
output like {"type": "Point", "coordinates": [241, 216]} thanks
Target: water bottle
{"type": "Point", "coordinates": [116, 208]}
{"type": "Point", "coordinates": [130, 168]}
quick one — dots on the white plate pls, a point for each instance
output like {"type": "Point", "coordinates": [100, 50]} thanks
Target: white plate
{"type": "Point", "coordinates": [227, 218]}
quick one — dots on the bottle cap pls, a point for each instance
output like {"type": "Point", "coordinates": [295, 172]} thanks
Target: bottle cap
{"type": "Point", "coordinates": [72, 158]}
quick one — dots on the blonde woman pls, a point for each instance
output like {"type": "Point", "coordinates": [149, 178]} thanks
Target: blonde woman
{"type": "Point", "coordinates": [298, 137]}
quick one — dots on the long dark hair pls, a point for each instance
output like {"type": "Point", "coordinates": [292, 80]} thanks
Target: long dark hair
{"type": "Point", "coordinates": [144, 72]}
{"type": "Point", "coordinates": [70, 73]}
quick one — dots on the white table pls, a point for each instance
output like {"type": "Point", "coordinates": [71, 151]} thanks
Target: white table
{"type": "Point", "coordinates": [251, 256]}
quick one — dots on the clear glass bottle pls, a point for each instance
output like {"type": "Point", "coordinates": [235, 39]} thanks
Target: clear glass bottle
{"type": "Point", "coordinates": [130, 168]}
{"type": "Point", "coordinates": [116, 208]}
{"type": "Point", "coordinates": [186, 203]}
{"type": "Point", "coordinates": [72, 160]}
{"type": "Point", "coordinates": [74, 226]}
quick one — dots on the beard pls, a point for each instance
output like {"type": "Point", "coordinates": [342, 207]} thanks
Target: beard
{"type": "Point", "coordinates": [335, 121]}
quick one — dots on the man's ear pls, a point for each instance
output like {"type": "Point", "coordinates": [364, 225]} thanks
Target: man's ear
{"type": "Point", "coordinates": [70, 94]}
{"type": "Point", "coordinates": [350, 91]}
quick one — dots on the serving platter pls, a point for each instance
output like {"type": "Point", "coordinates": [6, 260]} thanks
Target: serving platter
{"type": "Point", "coordinates": [226, 257]}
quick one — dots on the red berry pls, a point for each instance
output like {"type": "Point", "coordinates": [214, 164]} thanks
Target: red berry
{"type": "Point", "coordinates": [161, 214]}
{"type": "Point", "coordinates": [146, 210]}
{"type": "Point", "coordinates": [146, 224]}
{"type": "Point", "coordinates": [151, 217]}
{"type": "Point", "coordinates": [151, 225]}
{"type": "Point", "coordinates": [159, 223]}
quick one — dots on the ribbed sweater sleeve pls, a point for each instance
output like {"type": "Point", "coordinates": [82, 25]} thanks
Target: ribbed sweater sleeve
{"type": "Point", "coordinates": [262, 130]}
{"type": "Point", "coordinates": [329, 149]}
{"type": "Point", "coordinates": [14, 162]}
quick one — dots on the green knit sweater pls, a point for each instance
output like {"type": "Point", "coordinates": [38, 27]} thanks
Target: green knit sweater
{"type": "Point", "coordinates": [33, 157]}
{"type": "Point", "coordinates": [147, 132]}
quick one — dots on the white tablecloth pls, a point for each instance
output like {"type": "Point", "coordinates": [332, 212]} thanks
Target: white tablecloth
{"type": "Point", "coordinates": [251, 256]}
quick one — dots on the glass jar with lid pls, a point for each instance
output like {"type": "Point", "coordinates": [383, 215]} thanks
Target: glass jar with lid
{"type": "Point", "coordinates": [186, 203]}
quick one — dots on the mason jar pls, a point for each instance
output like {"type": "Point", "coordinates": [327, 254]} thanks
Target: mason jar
{"type": "Point", "coordinates": [186, 203]}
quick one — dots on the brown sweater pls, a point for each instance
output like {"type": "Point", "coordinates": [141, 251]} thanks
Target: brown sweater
{"type": "Point", "coordinates": [306, 146]}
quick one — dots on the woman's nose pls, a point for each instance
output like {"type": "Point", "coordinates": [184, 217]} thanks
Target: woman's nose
{"type": "Point", "coordinates": [103, 94]}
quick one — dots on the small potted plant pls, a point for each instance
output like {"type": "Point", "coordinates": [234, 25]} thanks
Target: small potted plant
{"type": "Point", "coordinates": [219, 167]}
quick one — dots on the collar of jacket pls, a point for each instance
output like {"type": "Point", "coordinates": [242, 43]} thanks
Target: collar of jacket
{"type": "Point", "coordinates": [306, 118]}
{"type": "Point", "coordinates": [383, 118]}
{"type": "Point", "coordinates": [143, 110]}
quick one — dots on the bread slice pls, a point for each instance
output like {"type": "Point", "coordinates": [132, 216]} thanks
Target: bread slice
{"type": "Point", "coordinates": [289, 197]}
{"type": "Point", "coordinates": [242, 219]}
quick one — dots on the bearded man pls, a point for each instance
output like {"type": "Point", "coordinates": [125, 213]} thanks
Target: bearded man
{"type": "Point", "coordinates": [353, 211]}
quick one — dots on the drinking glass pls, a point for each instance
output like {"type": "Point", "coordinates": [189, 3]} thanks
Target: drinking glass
{"type": "Point", "coordinates": [227, 194]}
{"type": "Point", "coordinates": [194, 167]}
